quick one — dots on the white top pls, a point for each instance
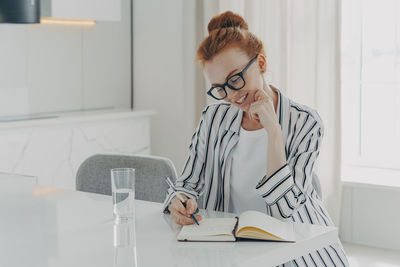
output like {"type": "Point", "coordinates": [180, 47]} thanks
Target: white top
{"type": "Point", "coordinates": [249, 165]}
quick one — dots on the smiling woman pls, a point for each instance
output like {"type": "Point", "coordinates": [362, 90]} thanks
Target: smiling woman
{"type": "Point", "coordinates": [257, 149]}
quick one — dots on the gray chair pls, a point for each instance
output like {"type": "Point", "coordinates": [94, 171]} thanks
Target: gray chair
{"type": "Point", "coordinates": [150, 172]}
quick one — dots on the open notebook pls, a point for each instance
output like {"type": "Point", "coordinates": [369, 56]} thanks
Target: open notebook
{"type": "Point", "coordinates": [250, 225]}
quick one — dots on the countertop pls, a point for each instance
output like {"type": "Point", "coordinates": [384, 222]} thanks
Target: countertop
{"type": "Point", "coordinates": [35, 120]}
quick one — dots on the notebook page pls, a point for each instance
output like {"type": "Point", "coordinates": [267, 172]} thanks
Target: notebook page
{"type": "Point", "coordinates": [208, 227]}
{"type": "Point", "coordinates": [267, 223]}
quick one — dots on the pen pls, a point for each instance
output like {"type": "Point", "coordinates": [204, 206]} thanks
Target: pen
{"type": "Point", "coordinates": [178, 195]}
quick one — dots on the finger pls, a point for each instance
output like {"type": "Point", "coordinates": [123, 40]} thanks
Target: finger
{"type": "Point", "coordinates": [257, 95]}
{"type": "Point", "coordinates": [199, 218]}
{"type": "Point", "coordinates": [250, 115]}
{"type": "Point", "coordinates": [261, 95]}
{"type": "Point", "coordinates": [181, 197]}
{"type": "Point", "coordinates": [175, 217]}
{"type": "Point", "coordinates": [180, 219]}
{"type": "Point", "coordinates": [191, 206]}
{"type": "Point", "coordinates": [177, 205]}
{"type": "Point", "coordinates": [253, 110]}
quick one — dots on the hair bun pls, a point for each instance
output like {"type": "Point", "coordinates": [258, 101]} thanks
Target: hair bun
{"type": "Point", "coordinates": [226, 20]}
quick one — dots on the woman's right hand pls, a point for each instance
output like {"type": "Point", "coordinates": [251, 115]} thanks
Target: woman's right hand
{"type": "Point", "coordinates": [180, 214]}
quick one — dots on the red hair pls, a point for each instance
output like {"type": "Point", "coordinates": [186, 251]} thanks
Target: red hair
{"type": "Point", "coordinates": [226, 30]}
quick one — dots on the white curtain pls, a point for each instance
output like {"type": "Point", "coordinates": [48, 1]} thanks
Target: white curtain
{"type": "Point", "coordinates": [301, 38]}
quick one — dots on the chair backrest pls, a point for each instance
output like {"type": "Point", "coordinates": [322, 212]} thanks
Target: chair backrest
{"type": "Point", "coordinates": [94, 175]}
{"type": "Point", "coordinates": [317, 185]}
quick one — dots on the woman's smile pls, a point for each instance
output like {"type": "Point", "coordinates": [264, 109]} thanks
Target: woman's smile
{"type": "Point", "coordinates": [241, 101]}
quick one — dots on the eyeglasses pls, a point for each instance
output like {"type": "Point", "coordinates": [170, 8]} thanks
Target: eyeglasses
{"type": "Point", "coordinates": [234, 82]}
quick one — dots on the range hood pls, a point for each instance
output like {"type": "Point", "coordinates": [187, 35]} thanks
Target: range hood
{"type": "Point", "coordinates": [19, 11]}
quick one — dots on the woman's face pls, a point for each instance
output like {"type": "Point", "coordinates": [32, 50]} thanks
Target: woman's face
{"type": "Point", "coordinates": [229, 62]}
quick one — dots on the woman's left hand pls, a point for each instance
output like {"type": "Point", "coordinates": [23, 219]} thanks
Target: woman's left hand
{"type": "Point", "coordinates": [263, 111]}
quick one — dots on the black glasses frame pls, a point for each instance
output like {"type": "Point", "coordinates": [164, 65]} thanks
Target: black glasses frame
{"type": "Point", "coordinates": [222, 86]}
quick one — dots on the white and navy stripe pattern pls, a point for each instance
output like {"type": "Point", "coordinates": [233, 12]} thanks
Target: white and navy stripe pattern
{"type": "Point", "coordinates": [288, 192]}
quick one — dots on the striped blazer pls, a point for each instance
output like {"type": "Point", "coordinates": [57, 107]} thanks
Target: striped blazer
{"type": "Point", "coordinates": [288, 192]}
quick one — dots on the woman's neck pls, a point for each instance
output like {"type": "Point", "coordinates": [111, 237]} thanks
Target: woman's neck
{"type": "Point", "coordinates": [252, 125]}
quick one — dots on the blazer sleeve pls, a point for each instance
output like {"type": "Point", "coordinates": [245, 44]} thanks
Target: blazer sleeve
{"type": "Point", "coordinates": [191, 180]}
{"type": "Point", "coordinates": [284, 191]}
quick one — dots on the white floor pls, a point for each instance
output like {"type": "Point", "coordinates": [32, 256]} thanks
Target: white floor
{"type": "Point", "coordinates": [363, 256]}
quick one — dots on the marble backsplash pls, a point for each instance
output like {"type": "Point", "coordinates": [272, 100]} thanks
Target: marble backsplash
{"type": "Point", "coordinates": [54, 150]}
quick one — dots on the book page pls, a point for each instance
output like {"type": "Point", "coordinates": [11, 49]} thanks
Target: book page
{"type": "Point", "coordinates": [212, 229]}
{"type": "Point", "coordinates": [251, 218]}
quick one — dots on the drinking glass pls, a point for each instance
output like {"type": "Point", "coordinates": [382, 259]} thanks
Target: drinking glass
{"type": "Point", "coordinates": [125, 244]}
{"type": "Point", "coordinates": [123, 191]}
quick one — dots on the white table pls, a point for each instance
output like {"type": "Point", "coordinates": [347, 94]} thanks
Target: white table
{"type": "Point", "coordinates": [51, 227]}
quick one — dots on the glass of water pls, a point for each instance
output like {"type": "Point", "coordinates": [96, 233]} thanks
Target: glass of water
{"type": "Point", "coordinates": [123, 191]}
{"type": "Point", "coordinates": [125, 244]}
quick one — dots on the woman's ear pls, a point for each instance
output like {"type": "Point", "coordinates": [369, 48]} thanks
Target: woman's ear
{"type": "Point", "coordinates": [262, 63]}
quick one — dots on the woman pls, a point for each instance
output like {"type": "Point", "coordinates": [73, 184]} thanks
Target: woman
{"type": "Point", "coordinates": [256, 150]}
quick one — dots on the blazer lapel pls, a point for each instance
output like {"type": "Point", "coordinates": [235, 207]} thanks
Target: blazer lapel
{"type": "Point", "coordinates": [283, 114]}
{"type": "Point", "coordinates": [232, 127]}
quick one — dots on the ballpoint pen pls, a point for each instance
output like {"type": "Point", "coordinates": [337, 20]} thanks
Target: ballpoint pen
{"type": "Point", "coordinates": [179, 196]}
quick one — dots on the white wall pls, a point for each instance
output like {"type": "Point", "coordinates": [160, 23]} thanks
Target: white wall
{"type": "Point", "coordinates": [58, 68]}
{"type": "Point", "coordinates": [370, 215]}
{"type": "Point", "coordinates": [165, 74]}
{"type": "Point", "coordinates": [45, 68]}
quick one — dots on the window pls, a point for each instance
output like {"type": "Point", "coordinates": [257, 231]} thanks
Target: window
{"type": "Point", "coordinates": [370, 66]}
